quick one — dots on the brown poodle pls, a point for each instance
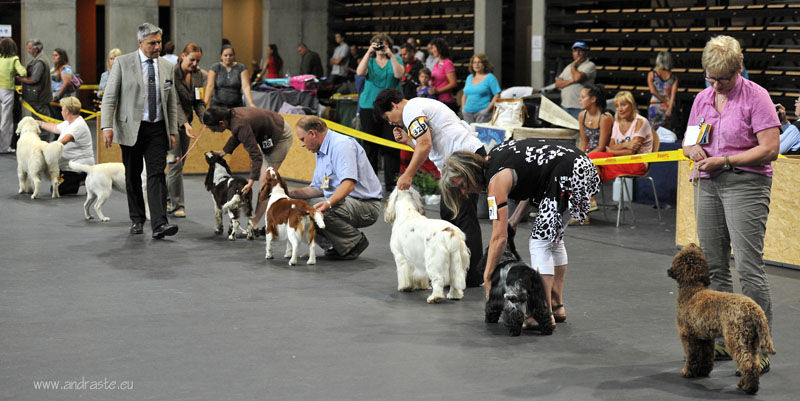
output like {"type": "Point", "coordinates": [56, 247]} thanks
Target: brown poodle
{"type": "Point", "coordinates": [704, 314]}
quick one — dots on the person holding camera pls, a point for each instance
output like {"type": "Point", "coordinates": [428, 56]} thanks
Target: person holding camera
{"type": "Point", "coordinates": [381, 70]}
{"type": "Point", "coordinates": [790, 134]}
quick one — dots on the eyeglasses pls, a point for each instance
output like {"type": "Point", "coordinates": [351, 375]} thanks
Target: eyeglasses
{"type": "Point", "coordinates": [722, 81]}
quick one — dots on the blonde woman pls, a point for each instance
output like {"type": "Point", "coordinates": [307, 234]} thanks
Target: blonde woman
{"type": "Point", "coordinates": [74, 134]}
{"type": "Point", "coordinates": [561, 180]}
{"type": "Point", "coordinates": [735, 174]}
{"type": "Point", "coordinates": [630, 134]}
{"type": "Point", "coordinates": [101, 88]}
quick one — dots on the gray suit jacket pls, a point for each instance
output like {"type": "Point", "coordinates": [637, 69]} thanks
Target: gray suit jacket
{"type": "Point", "coordinates": [124, 98]}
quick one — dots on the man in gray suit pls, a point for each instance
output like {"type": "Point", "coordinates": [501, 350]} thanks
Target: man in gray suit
{"type": "Point", "coordinates": [140, 114]}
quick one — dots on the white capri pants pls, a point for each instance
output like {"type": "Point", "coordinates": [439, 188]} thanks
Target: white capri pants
{"type": "Point", "coordinates": [546, 254]}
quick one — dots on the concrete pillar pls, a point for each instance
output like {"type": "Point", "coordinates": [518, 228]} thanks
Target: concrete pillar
{"type": "Point", "coordinates": [538, 43]}
{"type": "Point", "coordinates": [489, 32]}
{"type": "Point", "coordinates": [123, 17]}
{"type": "Point", "coordinates": [198, 21]}
{"type": "Point", "coordinates": [289, 22]}
{"type": "Point", "coordinates": [52, 22]}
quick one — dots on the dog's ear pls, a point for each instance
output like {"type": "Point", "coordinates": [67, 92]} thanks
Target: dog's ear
{"type": "Point", "coordinates": [263, 195]}
{"type": "Point", "coordinates": [388, 207]}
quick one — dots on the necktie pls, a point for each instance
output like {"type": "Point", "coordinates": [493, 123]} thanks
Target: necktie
{"type": "Point", "coordinates": [151, 90]}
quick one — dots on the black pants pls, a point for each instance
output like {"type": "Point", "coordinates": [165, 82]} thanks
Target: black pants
{"type": "Point", "coordinates": [391, 156]}
{"type": "Point", "coordinates": [152, 144]}
{"type": "Point", "coordinates": [71, 182]}
{"type": "Point", "coordinates": [467, 221]}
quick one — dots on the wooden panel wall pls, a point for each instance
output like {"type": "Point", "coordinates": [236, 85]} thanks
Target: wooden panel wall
{"type": "Point", "coordinates": [780, 242]}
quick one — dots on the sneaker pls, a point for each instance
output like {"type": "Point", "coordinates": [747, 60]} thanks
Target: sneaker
{"type": "Point", "coordinates": [179, 212]}
{"type": "Point", "coordinates": [763, 361]}
{"type": "Point", "coordinates": [721, 352]}
{"type": "Point", "coordinates": [362, 245]}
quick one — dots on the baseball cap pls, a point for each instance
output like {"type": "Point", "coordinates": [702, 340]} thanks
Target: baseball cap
{"type": "Point", "coordinates": [580, 45]}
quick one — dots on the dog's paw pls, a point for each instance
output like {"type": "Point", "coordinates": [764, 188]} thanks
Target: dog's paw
{"type": "Point", "coordinates": [685, 372]}
{"type": "Point", "coordinates": [292, 263]}
{"type": "Point", "coordinates": [268, 256]}
{"type": "Point", "coordinates": [218, 231]}
{"type": "Point", "coordinates": [232, 237]}
{"type": "Point", "coordinates": [105, 219]}
{"type": "Point", "coordinates": [457, 294]}
{"type": "Point", "coordinates": [404, 289]}
{"type": "Point", "coordinates": [251, 236]}
{"type": "Point", "coordinates": [434, 299]}
{"type": "Point", "coordinates": [88, 217]}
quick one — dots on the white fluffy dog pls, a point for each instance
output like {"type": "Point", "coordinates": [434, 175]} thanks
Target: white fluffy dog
{"type": "Point", "coordinates": [100, 180]}
{"type": "Point", "coordinates": [35, 158]}
{"type": "Point", "coordinates": [425, 248]}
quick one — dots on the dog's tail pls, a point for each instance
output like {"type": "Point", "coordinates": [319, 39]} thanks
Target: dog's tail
{"type": "Point", "coordinates": [84, 168]}
{"type": "Point", "coordinates": [52, 152]}
{"type": "Point", "coordinates": [318, 219]}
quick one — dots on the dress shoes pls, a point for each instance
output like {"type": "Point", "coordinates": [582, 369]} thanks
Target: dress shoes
{"type": "Point", "coordinates": [136, 228]}
{"type": "Point", "coordinates": [357, 250]}
{"type": "Point", "coordinates": [165, 230]}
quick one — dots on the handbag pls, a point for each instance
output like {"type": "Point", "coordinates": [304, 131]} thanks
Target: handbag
{"type": "Point", "coordinates": [509, 113]}
{"type": "Point", "coordinates": [76, 81]}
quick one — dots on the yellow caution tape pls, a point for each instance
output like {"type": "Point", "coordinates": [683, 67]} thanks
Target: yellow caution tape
{"type": "Point", "coordinates": [367, 137]}
{"type": "Point", "coordinates": [665, 156]}
{"type": "Point", "coordinates": [42, 117]}
{"type": "Point", "coordinates": [48, 119]}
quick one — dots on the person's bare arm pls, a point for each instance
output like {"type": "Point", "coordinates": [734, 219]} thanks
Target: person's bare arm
{"type": "Point", "coordinates": [305, 193]}
{"type": "Point", "coordinates": [248, 94]}
{"type": "Point", "coordinates": [499, 187]}
{"type": "Point", "coordinates": [344, 189]}
{"type": "Point", "coordinates": [212, 77]}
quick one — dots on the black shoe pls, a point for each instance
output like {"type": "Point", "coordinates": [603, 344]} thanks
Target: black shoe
{"type": "Point", "coordinates": [362, 244]}
{"type": "Point", "coordinates": [331, 252]}
{"type": "Point", "coordinates": [165, 230]}
{"type": "Point", "coordinates": [136, 228]}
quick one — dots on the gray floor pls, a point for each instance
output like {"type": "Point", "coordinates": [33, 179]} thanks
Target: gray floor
{"type": "Point", "coordinates": [196, 317]}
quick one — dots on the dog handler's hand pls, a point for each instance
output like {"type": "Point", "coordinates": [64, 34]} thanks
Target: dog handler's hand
{"type": "Point", "coordinates": [404, 181]}
{"type": "Point", "coordinates": [247, 187]}
{"type": "Point", "coordinates": [171, 141]}
{"type": "Point", "coordinates": [188, 129]}
{"type": "Point", "coordinates": [322, 206]}
{"type": "Point", "coordinates": [108, 136]}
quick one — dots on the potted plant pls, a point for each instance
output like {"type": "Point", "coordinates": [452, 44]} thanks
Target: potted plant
{"type": "Point", "coordinates": [428, 186]}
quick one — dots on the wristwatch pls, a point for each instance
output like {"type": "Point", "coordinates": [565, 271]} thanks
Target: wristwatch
{"type": "Point", "coordinates": [727, 166]}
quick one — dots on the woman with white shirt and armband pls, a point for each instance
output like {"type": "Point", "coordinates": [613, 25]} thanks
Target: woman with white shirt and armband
{"type": "Point", "coordinates": [74, 134]}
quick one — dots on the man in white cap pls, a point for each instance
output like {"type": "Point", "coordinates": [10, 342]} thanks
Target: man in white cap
{"type": "Point", "coordinates": [578, 73]}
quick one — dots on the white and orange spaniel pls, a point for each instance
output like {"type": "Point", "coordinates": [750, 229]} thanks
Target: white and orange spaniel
{"type": "Point", "coordinates": [425, 249]}
{"type": "Point", "coordinates": [288, 219]}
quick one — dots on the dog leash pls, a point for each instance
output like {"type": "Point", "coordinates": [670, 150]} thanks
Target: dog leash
{"type": "Point", "coordinates": [182, 158]}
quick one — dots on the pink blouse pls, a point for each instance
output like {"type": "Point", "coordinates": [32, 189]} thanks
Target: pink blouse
{"type": "Point", "coordinates": [749, 110]}
{"type": "Point", "coordinates": [439, 79]}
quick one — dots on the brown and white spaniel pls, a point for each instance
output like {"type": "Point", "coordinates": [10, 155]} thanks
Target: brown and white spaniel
{"type": "Point", "coordinates": [288, 219]}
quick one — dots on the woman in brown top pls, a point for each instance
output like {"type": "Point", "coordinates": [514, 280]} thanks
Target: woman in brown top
{"type": "Point", "coordinates": [266, 137]}
{"type": "Point", "coordinates": [188, 80]}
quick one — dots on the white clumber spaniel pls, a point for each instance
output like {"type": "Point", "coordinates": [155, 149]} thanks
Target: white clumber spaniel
{"type": "Point", "coordinates": [425, 249]}
{"type": "Point", "coordinates": [36, 158]}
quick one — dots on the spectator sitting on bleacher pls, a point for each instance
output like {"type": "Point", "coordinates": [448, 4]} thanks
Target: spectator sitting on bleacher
{"type": "Point", "coordinates": [579, 72]}
{"type": "Point", "coordinates": [663, 88]}
{"type": "Point", "coordinates": [790, 134]}
{"type": "Point", "coordinates": [631, 134]}
{"type": "Point", "coordinates": [595, 121]}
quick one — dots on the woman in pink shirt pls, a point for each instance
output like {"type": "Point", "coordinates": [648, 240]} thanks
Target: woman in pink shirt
{"type": "Point", "coordinates": [735, 174]}
{"type": "Point", "coordinates": [443, 74]}
{"type": "Point", "coordinates": [631, 134]}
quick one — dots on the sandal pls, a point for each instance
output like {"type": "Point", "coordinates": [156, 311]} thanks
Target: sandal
{"type": "Point", "coordinates": [559, 318]}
